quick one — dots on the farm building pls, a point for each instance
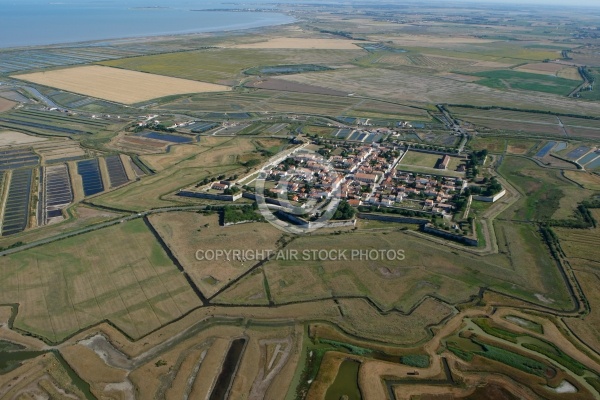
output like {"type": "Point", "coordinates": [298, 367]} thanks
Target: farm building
{"type": "Point", "coordinates": [443, 163]}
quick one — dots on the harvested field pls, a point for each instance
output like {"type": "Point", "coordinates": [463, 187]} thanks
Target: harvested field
{"type": "Point", "coordinates": [118, 273]}
{"type": "Point", "coordinates": [11, 138]}
{"type": "Point", "coordinates": [541, 68]}
{"type": "Point", "coordinates": [301, 43]}
{"type": "Point", "coordinates": [6, 105]}
{"type": "Point", "coordinates": [186, 233]}
{"type": "Point", "coordinates": [586, 179]}
{"type": "Point", "coordinates": [118, 85]}
{"type": "Point", "coordinates": [569, 73]}
{"type": "Point", "coordinates": [582, 247]}
{"type": "Point", "coordinates": [581, 244]}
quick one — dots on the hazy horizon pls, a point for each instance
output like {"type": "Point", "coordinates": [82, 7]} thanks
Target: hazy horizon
{"type": "Point", "coordinates": [201, 3]}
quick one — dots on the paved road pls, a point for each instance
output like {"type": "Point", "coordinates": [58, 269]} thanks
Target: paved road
{"type": "Point", "coordinates": [455, 127]}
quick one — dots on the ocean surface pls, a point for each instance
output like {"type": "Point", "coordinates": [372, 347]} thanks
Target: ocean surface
{"type": "Point", "coordinates": [34, 22]}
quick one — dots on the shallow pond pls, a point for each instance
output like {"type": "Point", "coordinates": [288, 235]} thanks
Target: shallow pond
{"type": "Point", "coordinates": [346, 382]}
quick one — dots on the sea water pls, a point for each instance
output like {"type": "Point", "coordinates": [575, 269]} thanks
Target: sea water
{"type": "Point", "coordinates": [38, 22]}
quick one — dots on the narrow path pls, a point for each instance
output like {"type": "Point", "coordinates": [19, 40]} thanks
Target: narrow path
{"type": "Point", "coordinates": [583, 85]}
{"type": "Point", "coordinates": [562, 126]}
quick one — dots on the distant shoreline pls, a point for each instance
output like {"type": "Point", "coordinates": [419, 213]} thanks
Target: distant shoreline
{"type": "Point", "coordinates": [204, 24]}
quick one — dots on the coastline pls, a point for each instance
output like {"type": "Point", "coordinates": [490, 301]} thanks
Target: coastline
{"type": "Point", "coordinates": [147, 38]}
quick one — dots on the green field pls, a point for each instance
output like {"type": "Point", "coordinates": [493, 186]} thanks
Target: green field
{"type": "Point", "coordinates": [215, 65]}
{"type": "Point", "coordinates": [120, 274]}
{"type": "Point", "coordinates": [419, 159]}
{"type": "Point", "coordinates": [491, 144]}
{"type": "Point", "coordinates": [424, 163]}
{"type": "Point", "coordinates": [546, 195]}
{"type": "Point", "coordinates": [505, 79]}
{"type": "Point", "coordinates": [501, 51]}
